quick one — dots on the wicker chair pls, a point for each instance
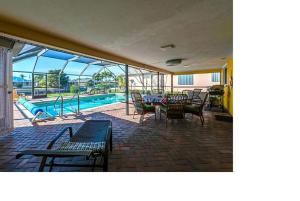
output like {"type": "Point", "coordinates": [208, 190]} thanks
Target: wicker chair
{"type": "Point", "coordinates": [196, 96]}
{"type": "Point", "coordinates": [174, 107]}
{"type": "Point", "coordinates": [196, 109]}
{"type": "Point", "coordinates": [140, 107]}
{"type": "Point", "coordinates": [189, 95]}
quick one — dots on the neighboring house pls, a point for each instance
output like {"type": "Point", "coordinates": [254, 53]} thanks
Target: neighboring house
{"type": "Point", "coordinates": [19, 82]}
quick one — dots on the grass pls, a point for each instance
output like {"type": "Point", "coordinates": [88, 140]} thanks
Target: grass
{"type": "Point", "coordinates": [57, 94]}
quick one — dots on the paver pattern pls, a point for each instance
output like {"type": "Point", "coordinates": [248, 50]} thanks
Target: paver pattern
{"type": "Point", "coordinates": [185, 145]}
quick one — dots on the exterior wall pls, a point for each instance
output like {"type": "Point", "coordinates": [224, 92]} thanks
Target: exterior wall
{"type": "Point", "coordinates": [228, 88]}
{"type": "Point", "coordinates": [199, 81]}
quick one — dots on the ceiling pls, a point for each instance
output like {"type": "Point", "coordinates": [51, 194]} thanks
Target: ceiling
{"type": "Point", "coordinates": [201, 30]}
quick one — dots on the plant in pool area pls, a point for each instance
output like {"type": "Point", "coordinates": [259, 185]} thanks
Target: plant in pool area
{"type": "Point", "coordinates": [121, 81]}
{"type": "Point", "coordinates": [73, 89]}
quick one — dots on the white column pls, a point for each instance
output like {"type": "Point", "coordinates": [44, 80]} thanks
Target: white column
{"type": "Point", "coordinates": [6, 99]}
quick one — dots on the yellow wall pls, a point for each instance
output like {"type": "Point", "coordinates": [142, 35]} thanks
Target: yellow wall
{"type": "Point", "coordinates": [228, 88]}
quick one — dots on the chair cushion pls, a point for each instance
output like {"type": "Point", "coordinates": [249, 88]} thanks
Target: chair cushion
{"type": "Point", "coordinates": [149, 108]}
{"type": "Point", "coordinates": [192, 108]}
{"type": "Point", "coordinates": [164, 100]}
{"type": "Point", "coordinates": [83, 146]}
{"type": "Point", "coordinates": [163, 108]}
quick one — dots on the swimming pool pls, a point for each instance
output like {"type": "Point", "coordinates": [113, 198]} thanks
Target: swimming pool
{"type": "Point", "coordinates": [87, 102]}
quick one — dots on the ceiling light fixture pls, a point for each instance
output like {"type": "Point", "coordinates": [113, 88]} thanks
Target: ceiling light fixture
{"type": "Point", "coordinates": [166, 47]}
{"type": "Point", "coordinates": [173, 62]}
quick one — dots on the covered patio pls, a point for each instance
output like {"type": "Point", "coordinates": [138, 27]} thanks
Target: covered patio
{"type": "Point", "coordinates": [61, 73]}
{"type": "Point", "coordinates": [185, 145]}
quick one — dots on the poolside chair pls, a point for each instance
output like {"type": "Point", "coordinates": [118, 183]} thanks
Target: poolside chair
{"type": "Point", "coordinates": [196, 109]}
{"type": "Point", "coordinates": [90, 91]}
{"type": "Point", "coordinates": [140, 107]}
{"type": "Point", "coordinates": [91, 141]}
{"type": "Point", "coordinates": [174, 107]}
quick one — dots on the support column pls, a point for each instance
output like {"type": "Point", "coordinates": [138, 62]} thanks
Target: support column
{"type": "Point", "coordinates": [78, 96]}
{"type": "Point", "coordinates": [172, 85]}
{"type": "Point", "coordinates": [46, 85]}
{"type": "Point", "coordinates": [6, 95]}
{"type": "Point", "coordinates": [32, 86]}
{"type": "Point", "coordinates": [151, 78]}
{"type": "Point", "coordinates": [157, 82]}
{"type": "Point", "coordinates": [163, 83]}
{"type": "Point", "coordinates": [126, 89]}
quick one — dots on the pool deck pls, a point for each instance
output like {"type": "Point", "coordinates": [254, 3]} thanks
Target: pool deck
{"type": "Point", "coordinates": [184, 145]}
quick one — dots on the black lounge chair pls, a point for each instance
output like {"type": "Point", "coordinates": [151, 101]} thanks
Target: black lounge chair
{"type": "Point", "coordinates": [91, 140]}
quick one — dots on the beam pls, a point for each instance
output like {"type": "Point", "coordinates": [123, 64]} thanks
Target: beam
{"type": "Point", "coordinates": [24, 31]}
{"type": "Point", "coordinates": [127, 89]}
{"type": "Point", "coordinates": [92, 63]}
{"type": "Point", "coordinates": [65, 65]}
{"type": "Point", "coordinates": [37, 58]}
{"type": "Point", "coordinates": [110, 71]}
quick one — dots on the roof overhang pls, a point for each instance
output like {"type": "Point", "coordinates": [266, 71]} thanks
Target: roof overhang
{"type": "Point", "coordinates": [24, 32]}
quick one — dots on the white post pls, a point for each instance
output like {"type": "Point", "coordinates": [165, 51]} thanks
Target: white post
{"type": "Point", "coordinates": [6, 88]}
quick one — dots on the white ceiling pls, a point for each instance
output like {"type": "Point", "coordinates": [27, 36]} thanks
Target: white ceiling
{"type": "Point", "coordinates": [200, 29]}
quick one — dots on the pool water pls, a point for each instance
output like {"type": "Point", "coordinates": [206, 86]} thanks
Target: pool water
{"type": "Point", "coordinates": [70, 106]}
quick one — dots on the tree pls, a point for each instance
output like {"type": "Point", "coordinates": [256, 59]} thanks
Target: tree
{"type": "Point", "coordinates": [53, 79]}
{"type": "Point", "coordinates": [40, 80]}
{"type": "Point", "coordinates": [89, 83]}
{"type": "Point", "coordinates": [22, 76]}
{"type": "Point", "coordinates": [121, 81]}
{"type": "Point", "coordinates": [104, 76]}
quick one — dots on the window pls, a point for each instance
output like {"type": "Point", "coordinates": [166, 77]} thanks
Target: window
{"type": "Point", "coordinates": [215, 77]}
{"type": "Point", "coordinates": [185, 80]}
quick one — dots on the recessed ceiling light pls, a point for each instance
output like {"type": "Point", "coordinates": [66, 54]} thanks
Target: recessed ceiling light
{"type": "Point", "coordinates": [186, 66]}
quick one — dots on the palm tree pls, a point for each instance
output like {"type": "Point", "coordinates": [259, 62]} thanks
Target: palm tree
{"type": "Point", "coordinates": [22, 76]}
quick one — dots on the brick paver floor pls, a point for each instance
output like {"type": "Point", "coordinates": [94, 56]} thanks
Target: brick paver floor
{"type": "Point", "coordinates": [184, 145]}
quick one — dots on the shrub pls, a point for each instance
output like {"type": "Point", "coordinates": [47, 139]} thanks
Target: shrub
{"type": "Point", "coordinates": [73, 89]}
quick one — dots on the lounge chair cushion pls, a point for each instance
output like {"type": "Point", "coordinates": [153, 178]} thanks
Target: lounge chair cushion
{"type": "Point", "coordinates": [83, 146]}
